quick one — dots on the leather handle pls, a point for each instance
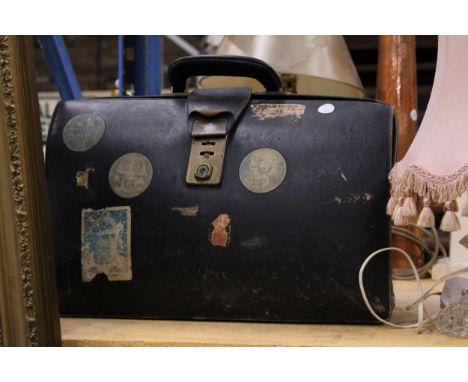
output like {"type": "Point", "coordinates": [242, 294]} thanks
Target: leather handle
{"type": "Point", "coordinates": [234, 66]}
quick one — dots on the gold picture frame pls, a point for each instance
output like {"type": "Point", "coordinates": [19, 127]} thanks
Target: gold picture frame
{"type": "Point", "coordinates": [28, 297]}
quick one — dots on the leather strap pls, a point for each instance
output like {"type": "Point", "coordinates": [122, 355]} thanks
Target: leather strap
{"type": "Point", "coordinates": [214, 112]}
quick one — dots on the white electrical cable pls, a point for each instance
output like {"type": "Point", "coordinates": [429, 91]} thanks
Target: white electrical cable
{"type": "Point", "coordinates": [434, 254]}
{"type": "Point", "coordinates": [444, 278]}
{"type": "Point", "coordinates": [422, 295]}
{"type": "Point", "coordinates": [421, 320]}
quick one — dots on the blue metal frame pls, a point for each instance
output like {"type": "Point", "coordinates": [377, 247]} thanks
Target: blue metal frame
{"type": "Point", "coordinates": [120, 65]}
{"type": "Point", "coordinates": [60, 66]}
{"type": "Point", "coordinates": [143, 69]}
{"type": "Point", "coordinates": [148, 53]}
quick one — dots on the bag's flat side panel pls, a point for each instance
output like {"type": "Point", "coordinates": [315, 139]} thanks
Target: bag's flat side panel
{"type": "Point", "coordinates": [293, 254]}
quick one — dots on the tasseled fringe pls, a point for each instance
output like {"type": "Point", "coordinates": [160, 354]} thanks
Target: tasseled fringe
{"type": "Point", "coordinates": [455, 205]}
{"type": "Point", "coordinates": [464, 210]}
{"type": "Point", "coordinates": [398, 217]}
{"type": "Point", "coordinates": [450, 221]}
{"type": "Point", "coordinates": [422, 182]}
{"type": "Point", "coordinates": [391, 205]}
{"type": "Point", "coordinates": [409, 206]}
{"type": "Point", "coordinates": [426, 217]}
{"type": "Point", "coordinates": [398, 205]}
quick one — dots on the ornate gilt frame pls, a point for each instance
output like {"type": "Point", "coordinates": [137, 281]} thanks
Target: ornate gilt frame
{"type": "Point", "coordinates": [28, 296]}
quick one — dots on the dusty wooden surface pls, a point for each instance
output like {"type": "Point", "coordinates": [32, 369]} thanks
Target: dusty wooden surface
{"type": "Point", "coordinates": [109, 332]}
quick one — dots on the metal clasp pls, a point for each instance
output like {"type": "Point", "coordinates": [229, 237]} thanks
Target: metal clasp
{"type": "Point", "coordinates": [206, 160]}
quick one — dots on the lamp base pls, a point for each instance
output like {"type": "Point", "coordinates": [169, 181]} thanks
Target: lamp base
{"type": "Point", "coordinates": [458, 257]}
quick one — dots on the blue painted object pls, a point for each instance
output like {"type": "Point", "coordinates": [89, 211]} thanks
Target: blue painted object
{"type": "Point", "coordinates": [148, 53]}
{"type": "Point", "coordinates": [121, 65]}
{"type": "Point", "coordinates": [140, 64]}
{"type": "Point", "coordinates": [60, 66]}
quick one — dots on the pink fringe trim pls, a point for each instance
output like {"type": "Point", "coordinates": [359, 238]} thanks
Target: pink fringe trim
{"type": "Point", "coordinates": [426, 217]}
{"type": "Point", "coordinates": [464, 211]}
{"type": "Point", "coordinates": [450, 222]}
{"type": "Point", "coordinates": [441, 188]}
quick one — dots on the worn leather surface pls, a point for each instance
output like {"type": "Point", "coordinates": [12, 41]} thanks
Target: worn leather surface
{"type": "Point", "coordinates": [294, 253]}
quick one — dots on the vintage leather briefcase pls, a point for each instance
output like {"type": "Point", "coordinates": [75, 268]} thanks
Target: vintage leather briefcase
{"type": "Point", "coordinates": [220, 204]}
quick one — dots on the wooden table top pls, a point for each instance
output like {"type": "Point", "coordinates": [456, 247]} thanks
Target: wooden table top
{"type": "Point", "coordinates": [117, 332]}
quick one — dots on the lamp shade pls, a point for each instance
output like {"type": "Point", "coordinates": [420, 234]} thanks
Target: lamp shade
{"type": "Point", "coordinates": [320, 64]}
{"type": "Point", "coordinates": [436, 164]}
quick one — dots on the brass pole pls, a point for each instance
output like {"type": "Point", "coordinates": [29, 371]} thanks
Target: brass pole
{"type": "Point", "coordinates": [396, 85]}
{"type": "Point", "coordinates": [28, 296]}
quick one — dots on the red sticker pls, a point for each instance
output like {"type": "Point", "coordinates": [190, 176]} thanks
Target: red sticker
{"type": "Point", "coordinates": [220, 231]}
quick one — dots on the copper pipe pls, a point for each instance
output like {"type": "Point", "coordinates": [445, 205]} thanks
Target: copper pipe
{"type": "Point", "coordinates": [396, 85]}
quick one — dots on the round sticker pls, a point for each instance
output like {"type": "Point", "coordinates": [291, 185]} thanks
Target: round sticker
{"type": "Point", "coordinates": [326, 108]}
{"type": "Point", "coordinates": [83, 131]}
{"type": "Point", "coordinates": [130, 175]}
{"type": "Point", "coordinates": [262, 170]}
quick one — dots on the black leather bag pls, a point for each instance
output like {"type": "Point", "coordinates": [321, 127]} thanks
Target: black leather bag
{"type": "Point", "coordinates": [220, 204]}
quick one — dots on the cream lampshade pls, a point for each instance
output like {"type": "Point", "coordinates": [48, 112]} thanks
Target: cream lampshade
{"type": "Point", "coordinates": [436, 164]}
{"type": "Point", "coordinates": [318, 65]}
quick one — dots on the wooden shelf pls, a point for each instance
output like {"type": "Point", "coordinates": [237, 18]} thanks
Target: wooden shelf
{"type": "Point", "coordinates": [111, 332]}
